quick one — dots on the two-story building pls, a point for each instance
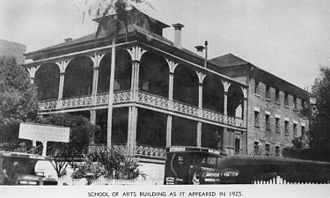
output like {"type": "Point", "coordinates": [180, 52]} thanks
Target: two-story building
{"type": "Point", "coordinates": [164, 94]}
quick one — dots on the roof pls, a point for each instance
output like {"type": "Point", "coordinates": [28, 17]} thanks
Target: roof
{"type": "Point", "coordinates": [86, 38]}
{"type": "Point", "coordinates": [228, 60]}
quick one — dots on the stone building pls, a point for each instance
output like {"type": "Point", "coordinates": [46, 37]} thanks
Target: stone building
{"type": "Point", "coordinates": [164, 94]}
{"type": "Point", "coordinates": [273, 106]}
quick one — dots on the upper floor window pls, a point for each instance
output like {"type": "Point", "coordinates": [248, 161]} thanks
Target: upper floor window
{"type": "Point", "coordinates": [277, 95]}
{"type": "Point", "coordinates": [267, 148]}
{"type": "Point", "coordinates": [303, 130]}
{"type": "Point", "coordinates": [268, 92]}
{"type": "Point", "coordinates": [303, 103]}
{"type": "Point", "coordinates": [277, 125]}
{"type": "Point", "coordinates": [295, 130]}
{"type": "Point", "coordinates": [277, 150]}
{"type": "Point", "coordinates": [256, 148]}
{"type": "Point", "coordinates": [295, 105]}
{"type": "Point", "coordinates": [256, 119]}
{"type": "Point", "coordinates": [286, 99]}
{"type": "Point", "coordinates": [237, 145]}
{"type": "Point", "coordinates": [267, 119]}
{"type": "Point", "coordinates": [256, 87]}
{"type": "Point", "coordinates": [286, 127]}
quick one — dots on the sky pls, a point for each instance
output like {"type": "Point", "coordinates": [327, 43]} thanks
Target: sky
{"type": "Point", "coordinates": [288, 38]}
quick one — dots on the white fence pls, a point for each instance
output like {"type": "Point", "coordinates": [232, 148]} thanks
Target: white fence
{"type": "Point", "coordinates": [279, 180]}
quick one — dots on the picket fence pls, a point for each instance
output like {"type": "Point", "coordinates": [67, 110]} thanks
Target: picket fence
{"type": "Point", "coordinates": [279, 180]}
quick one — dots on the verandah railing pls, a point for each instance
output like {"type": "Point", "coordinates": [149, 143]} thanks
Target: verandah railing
{"type": "Point", "coordinates": [143, 98]}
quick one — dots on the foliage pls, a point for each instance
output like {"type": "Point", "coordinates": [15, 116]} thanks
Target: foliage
{"type": "Point", "coordinates": [81, 133]}
{"type": "Point", "coordinates": [319, 116]}
{"type": "Point", "coordinates": [320, 125]}
{"type": "Point", "coordinates": [18, 97]}
{"type": "Point", "coordinates": [122, 16]}
{"type": "Point", "coordinates": [108, 163]}
{"type": "Point", "coordinates": [81, 130]}
{"type": "Point", "coordinates": [18, 100]}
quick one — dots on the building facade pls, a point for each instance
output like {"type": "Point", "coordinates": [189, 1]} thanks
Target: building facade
{"type": "Point", "coordinates": [274, 106]}
{"type": "Point", "coordinates": [164, 94]}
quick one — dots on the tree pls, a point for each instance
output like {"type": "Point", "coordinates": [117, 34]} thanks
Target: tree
{"type": "Point", "coordinates": [18, 98]}
{"type": "Point", "coordinates": [81, 134]}
{"type": "Point", "coordinates": [101, 10]}
{"type": "Point", "coordinates": [320, 115]}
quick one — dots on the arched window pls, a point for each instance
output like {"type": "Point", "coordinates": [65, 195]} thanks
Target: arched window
{"type": "Point", "coordinates": [47, 79]}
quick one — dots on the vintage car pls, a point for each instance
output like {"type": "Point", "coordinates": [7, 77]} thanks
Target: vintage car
{"type": "Point", "coordinates": [19, 169]}
{"type": "Point", "coordinates": [192, 165]}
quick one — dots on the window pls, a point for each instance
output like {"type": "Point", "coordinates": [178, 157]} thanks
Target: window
{"type": "Point", "coordinates": [295, 132]}
{"type": "Point", "coordinates": [237, 145]}
{"type": "Point", "coordinates": [277, 95]}
{"type": "Point", "coordinates": [286, 99]}
{"type": "Point", "coordinates": [286, 127]}
{"type": "Point", "coordinates": [277, 150]}
{"type": "Point", "coordinates": [256, 148]}
{"type": "Point", "coordinates": [277, 125]}
{"type": "Point", "coordinates": [303, 130]}
{"type": "Point", "coordinates": [303, 103]}
{"type": "Point", "coordinates": [295, 103]}
{"type": "Point", "coordinates": [268, 92]}
{"type": "Point", "coordinates": [268, 122]}
{"type": "Point", "coordinates": [256, 119]}
{"type": "Point", "coordinates": [267, 148]}
{"type": "Point", "coordinates": [256, 87]}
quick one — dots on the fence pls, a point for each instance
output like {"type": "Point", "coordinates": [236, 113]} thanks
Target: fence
{"type": "Point", "coordinates": [279, 180]}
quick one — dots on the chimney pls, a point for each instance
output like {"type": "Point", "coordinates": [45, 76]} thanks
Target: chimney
{"type": "Point", "coordinates": [177, 34]}
{"type": "Point", "coordinates": [68, 39]}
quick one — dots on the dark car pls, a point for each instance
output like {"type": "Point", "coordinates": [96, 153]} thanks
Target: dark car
{"type": "Point", "coordinates": [19, 169]}
{"type": "Point", "coordinates": [192, 165]}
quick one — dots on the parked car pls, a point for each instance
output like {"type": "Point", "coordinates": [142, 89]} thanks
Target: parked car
{"type": "Point", "coordinates": [192, 165]}
{"type": "Point", "coordinates": [19, 169]}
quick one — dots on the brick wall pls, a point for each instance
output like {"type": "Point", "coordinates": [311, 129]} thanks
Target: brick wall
{"type": "Point", "coordinates": [265, 106]}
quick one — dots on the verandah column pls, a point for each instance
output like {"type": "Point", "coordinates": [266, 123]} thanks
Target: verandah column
{"type": "Point", "coordinates": [226, 133]}
{"type": "Point", "coordinates": [172, 65]}
{"type": "Point", "coordinates": [32, 72]}
{"type": "Point", "coordinates": [136, 54]}
{"type": "Point", "coordinates": [96, 68]}
{"type": "Point", "coordinates": [201, 77]}
{"type": "Point", "coordinates": [62, 64]}
{"type": "Point", "coordinates": [245, 120]}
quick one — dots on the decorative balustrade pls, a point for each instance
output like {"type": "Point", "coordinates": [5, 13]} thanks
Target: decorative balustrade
{"type": "Point", "coordinates": [145, 99]}
{"type": "Point", "coordinates": [121, 148]}
{"type": "Point", "coordinates": [145, 151]}
{"type": "Point", "coordinates": [48, 105]}
{"type": "Point", "coordinates": [186, 109]}
{"type": "Point", "coordinates": [76, 102]}
{"type": "Point", "coordinates": [121, 97]}
{"type": "Point", "coordinates": [102, 99]}
{"type": "Point", "coordinates": [153, 100]}
{"type": "Point", "coordinates": [150, 152]}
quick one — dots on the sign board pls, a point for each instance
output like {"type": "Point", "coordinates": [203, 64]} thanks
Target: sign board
{"type": "Point", "coordinates": [43, 133]}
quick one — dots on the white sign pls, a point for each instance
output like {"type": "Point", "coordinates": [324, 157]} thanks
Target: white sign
{"type": "Point", "coordinates": [44, 133]}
